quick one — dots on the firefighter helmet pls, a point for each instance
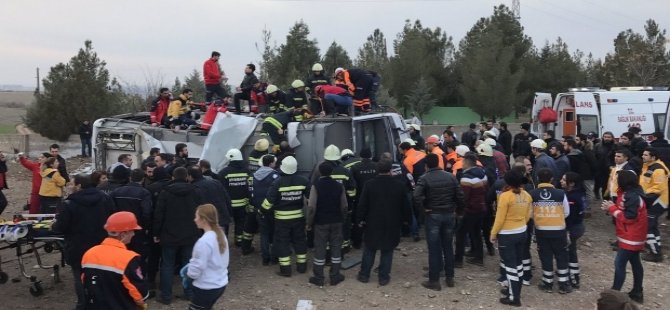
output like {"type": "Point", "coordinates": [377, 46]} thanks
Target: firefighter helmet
{"type": "Point", "coordinates": [346, 152]}
{"type": "Point", "coordinates": [271, 89]}
{"type": "Point", "coordinates": [234, 154]}
{"type": "Point", "coordinates": [332, 152]}
{"type": "Point", "coordinates": [490, 142]}
{"type": "Point", "coordinates": [538, 144]}
{"type": "Point", "coordinates": [289, 165]}
{"type": "Point", "coordinates": [297, 84]}
{"type": "Point", "coordinates": [122, 221]}
{"type": "Point", "coordinates": [261, 145]}
{"type": "Point", "coordinates": [485, 150]}
{"type": "Point", "coordinates": [317, 67]}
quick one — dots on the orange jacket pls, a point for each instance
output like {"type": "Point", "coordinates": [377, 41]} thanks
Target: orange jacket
{"type": "Point", "coordinates": [412, 156]}
{"type": "Point", "coordinates": [440, 155]}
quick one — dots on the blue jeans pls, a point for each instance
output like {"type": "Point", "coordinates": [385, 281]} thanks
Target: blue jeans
{"type": "Point", "coordinates": [439, 236]}
{"type": "Point", "coordinates": [620, 262]}
{"type": "Point", "coordinates": [385, 261]}
{"type": "Point", "coordinates": [169, 256]}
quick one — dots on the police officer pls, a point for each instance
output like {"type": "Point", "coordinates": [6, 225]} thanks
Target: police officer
{"type": "Point", "coordinates": [111, 273]}
{"type": "Point", "coordinates": [285, 199]}
{"type": "Point", "coordinates": [550, 208]}
{"type": "Point", "coordinates": [235, 179]}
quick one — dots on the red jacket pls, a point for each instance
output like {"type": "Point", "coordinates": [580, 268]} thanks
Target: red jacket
{"type": "Point", "coordinates": [211, 72]}
{"type": "Point", "coordinates": [331, 89]}
{"type": "Point", "coordinates": [158, 109]}
{"type": "Point", "coordinates": [34, 167]}
{"type": "Point", "coordinates": [630, 215]}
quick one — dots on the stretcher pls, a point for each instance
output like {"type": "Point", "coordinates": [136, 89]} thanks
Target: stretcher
{"type": "Point", "coordinates": [28, 234]}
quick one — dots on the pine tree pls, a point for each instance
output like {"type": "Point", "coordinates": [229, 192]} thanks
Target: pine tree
{"type": "Point", "coordinates": [336, 56]}
{"type": "Point", "coordinates": [295, 57]}
{"type": "Point", "coordinates": [79, 90]}
{"type": "Point", "coordinates": [176, 87]}
{"type": "Point", "coordinates": [373, 55]}
{"type": "Point", "coordinates": [420, 99]}
{"type": "Point", "coordinates": [196, 84]}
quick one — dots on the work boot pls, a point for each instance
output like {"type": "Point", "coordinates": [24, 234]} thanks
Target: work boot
{"type": "Point", "coordinates": [651, 257]}
{"type": "Point", "coordinates": [335, 276]}
{"type": "Point", "coordinates": [490, 249]}
{"type": "Point", "coordinates": [284, 271]}
{"type": "Point", "coordinates": [507, 301]}
{"type": "Point", "coordinates": [564, 288]}
{"type": "Point", "coordinates": [637, 296]}
{"type": "Point", "coordinates": [432, 285]}
{"type": "Point", "coordinates": [545, 287]}
{"type": "Point", "coordinates": [318, 277]}
{"type": "Point", "coordinates": [302, 267]}
{"type": "Point", "coordinates": [450, 282]}
{"type": "Point", "coordinates": [575, 281]}
{"type": "Point", "coordinates": [246, 247]}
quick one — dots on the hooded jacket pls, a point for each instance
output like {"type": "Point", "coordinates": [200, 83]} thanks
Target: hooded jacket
{"type": "Point", "coordinates": [82, 222]}
{"type": "Point", "coordinates": [52, 183]}
{"type": "Point", "coordinates": [173, 217]}
{"type": "Point", "coordinates": [263, 178]}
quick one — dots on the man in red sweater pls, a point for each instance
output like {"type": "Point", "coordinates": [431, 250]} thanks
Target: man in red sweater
{"type": "Point", "coordinates": [159, 107]}
{"type": "Point", "coordinates": [213, 77]}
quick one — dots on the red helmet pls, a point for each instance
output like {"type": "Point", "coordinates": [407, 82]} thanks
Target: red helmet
{"type": "Point", "coordinates": [122, 221]}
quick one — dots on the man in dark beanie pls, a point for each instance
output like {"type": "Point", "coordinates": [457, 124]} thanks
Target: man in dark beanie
{"type": "Point", "coordinates": [120, 177]}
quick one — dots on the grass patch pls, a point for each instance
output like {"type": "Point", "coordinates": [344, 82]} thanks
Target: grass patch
{"type": "Point", "coordinates": [7, 129]}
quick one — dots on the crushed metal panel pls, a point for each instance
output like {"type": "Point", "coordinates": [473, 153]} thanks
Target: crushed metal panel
{"type": "Point", "coordinates": [228, 131]}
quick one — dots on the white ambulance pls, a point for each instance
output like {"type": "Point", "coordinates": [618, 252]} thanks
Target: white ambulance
{"type": "Point", "coordinates": [585, 110]}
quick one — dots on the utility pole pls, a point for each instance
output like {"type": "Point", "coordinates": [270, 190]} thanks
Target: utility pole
{"type": "Point", "coordinates": [516, 9]}
{"type": "Point", "coordinates": [38, 80]}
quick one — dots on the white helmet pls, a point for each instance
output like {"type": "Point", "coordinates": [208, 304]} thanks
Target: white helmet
{"type": "Point", "coordinates": [538, 144]}
{"type": "Point", "coordinates": [262, 145]}
{"type": "Point", "coordinates": [346, 152]}
{"type": "Point", "coordinates": [289, 165]}
{"type": "Point", "coordinates": [317, 67]}
{"type": "Point", "coordinates": [332, 152]}
{"type": "Point", "coordinates": [490, 133]}
{"type": "Point", "coordinates": [271, 89]}
{"type": "Point", "coordinates": [490, 142]}
{"type": "Point", "coordinates": [297, 84]}
{"type": "Point", "coordinates": [485, 150]}
{"type": "Point", "coordinates": [338, 70]}
{"type": "Point", "coordinates": [234, 154]}
{"type": "Point", "coordinates": [461, 150]}
{"type": "Point", "coordinates": [410, 141]}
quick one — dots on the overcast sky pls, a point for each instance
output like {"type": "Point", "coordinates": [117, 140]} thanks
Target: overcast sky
{"type": "Point", "coordinates": [154, 39]}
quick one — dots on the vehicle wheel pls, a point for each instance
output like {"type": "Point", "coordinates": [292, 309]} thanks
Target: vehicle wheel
{"type": "Point", "coordinates": [48, 247]}
{"type": "Point", "coordinates": [3, 277]}
{"type": "Point", "coordinates": [36, 289]}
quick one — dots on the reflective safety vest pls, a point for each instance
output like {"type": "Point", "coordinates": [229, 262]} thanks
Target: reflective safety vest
{"type": "Point", "coordinates": [286, 197]}
{"type": "Point", "coordinates": [550, 208]}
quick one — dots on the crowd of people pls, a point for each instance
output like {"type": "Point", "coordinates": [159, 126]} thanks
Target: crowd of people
{"type": "Point", "coordinates": [148, 222]}
{"type": "Point", "coordinates": [318, 94]}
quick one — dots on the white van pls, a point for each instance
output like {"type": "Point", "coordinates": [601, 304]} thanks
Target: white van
{"type": "Point", "coordinates": [587, 110]}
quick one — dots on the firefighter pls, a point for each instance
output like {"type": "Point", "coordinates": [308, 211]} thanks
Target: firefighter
{"type": "Point", "coordinates": [349, 159]}
{"type": "Point", "coordinates": [285, 199]}
{"type": "Point", "coordinates": [276, 99]}
{"type": "Point", "coordinates": [362, 84]}
{"type": "Point", "coordinates": [343, 176]}
{"type": "Point", "coordinates": [316, 79]}
{"type": "Point", "coordinates": [111, 273]}
{"type": "Point", "coordinates": [550, 208]}
{"type": "Point", "coordinates": [260, 148]}
{"type": "Point", "coordinates": [275, 125]}
{"type": "Point", "coordinates": [297, 97]}
{"type": "Point", "coordinates": [654, 182]}
{"type": "Point", "coordinates": [235, 178]}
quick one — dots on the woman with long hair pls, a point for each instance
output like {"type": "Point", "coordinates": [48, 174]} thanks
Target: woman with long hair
{"type": "Point", "coordinates": [574, 223]}
{"type": "Point", "coordinates": [509, 229]}
{"type": "Point", "coordinates": [630, 216]}
{"type": "Point", "coordinates": [208, 266]}
{"type": "Point", "coordinates": [51, 190]}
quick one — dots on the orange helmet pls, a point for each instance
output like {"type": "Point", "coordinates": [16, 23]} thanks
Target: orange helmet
{"type": "Point", "coordinates": [122, 221]}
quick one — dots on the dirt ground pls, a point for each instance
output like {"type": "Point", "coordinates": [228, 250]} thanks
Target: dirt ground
{"type": "Point", "coordinates": [253, 286]}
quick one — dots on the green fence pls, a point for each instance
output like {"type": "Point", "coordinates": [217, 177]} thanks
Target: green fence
{"type": "Point", "coordinates": [456, 116]}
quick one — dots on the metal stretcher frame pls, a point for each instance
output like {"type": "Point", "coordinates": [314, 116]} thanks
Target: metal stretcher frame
{"type": "Point", "coordinates": [34, 243]}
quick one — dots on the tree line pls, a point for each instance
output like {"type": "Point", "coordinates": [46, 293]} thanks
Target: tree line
{"type": "Point", "coordinates": [495, 70]}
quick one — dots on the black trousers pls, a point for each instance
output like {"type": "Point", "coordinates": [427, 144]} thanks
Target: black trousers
{"type": "Point", "coordinates": [214, 89]}
{"type": "Point", "coordinates": [549, 249]}
{"type": "Point", "coordinates": [239, 217]}
{"type": "Point", "coordinates": [511, 251]}
{"type": "Point", "coordinates": [273, 132]}
{"type": "Point", "coordinates": [240, 96]}
{"type": "Point", "coordinates": [471, 225]}
{"type": "Point", "coordinates": [290, 234]}
{"type": "Point", "coordinates": [205, 299]}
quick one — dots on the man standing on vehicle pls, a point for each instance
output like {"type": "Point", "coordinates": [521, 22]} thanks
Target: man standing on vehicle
{"type": "Point", "coordinates": [213, 77]}
{"type": "Point", "coordinates": [654, 182]}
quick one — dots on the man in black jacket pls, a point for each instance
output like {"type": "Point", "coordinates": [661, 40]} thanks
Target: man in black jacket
{"type": "Point", "coordinates": [174, 228]}
{"type": "Point", "coordinates": [470, 137]}
{"type": "Point", "coordinates": [235, 179]}
{"type": "Point", "coordinates": [437, 197]}
{"type": "Point", "coordinates": [85, 137]}
{"type": "Point", "coordinates": [244, 91]}
{"type": "Point", "coordinates": [381, 211]}
{"type": "Point", "coordinates": [81, 221]}
{"type": "Point", "coordinates": [362, 172]}
{"type": "Point", "coordinates": [161, 179]}
{"type": "Point", "coordinates": [214, 193]}
{"type": "Point", "coordinates": [505, 139]}
{"type": "Point", "coordinates": [136, 199]}
{"type": "Point", "coordinates": [521, 143]}
{"type": "Point", "coordinates": [62, 168]}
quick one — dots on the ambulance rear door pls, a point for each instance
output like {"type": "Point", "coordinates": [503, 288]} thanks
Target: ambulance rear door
{"type": "Point", "coordinates": [541, 100]}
